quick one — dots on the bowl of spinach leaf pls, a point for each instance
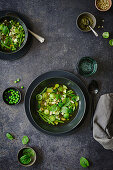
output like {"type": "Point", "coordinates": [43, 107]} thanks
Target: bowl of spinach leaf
{"type": "Point", "coordinates": [13, 34]}
{"type": "Point", "coordinates": [27, 156]}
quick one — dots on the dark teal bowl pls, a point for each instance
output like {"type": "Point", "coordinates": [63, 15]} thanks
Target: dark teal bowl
{"type": "Point", "coordinates": [87, 66]}
{"type": "Point", "coordinates": [61, 128]}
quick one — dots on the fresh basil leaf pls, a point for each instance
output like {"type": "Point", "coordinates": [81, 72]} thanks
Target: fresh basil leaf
{"type": "Point", "coordinates": [1, 27]}
{"type": "Point", "coordinates": [69, 92]}
{"type": "Point", "coordinates": [5, 30]}
{"type": "Point", "coordinates": [60, 104]}
{"type": "Point", "coordinates": [111, 42]}
{"type": "Point", "coordinates": [105, 34]}
{"type": "Point", "coordinates": [30, 152]}
{"type": "Point", "coordinates": [75, 98]}
{"type": "Point", "coordinates": [67, 101]}
{"type": "Point", "coordinates": [9, 136]}
{"type": "Point", "coordinates": [55, 90]}
{"type": "Point", "coordinates": [70, 111]}
{"type": "Point", "coordinates": [84, 162]}
{"type": "Point", "coordinates": [53, 108]}
{"type": "Point", "coordinates": [58, 96]}
{"type": "Point", "coordinates": [25, 159]}
{"type": "Point", "coordinates": [25, 140]}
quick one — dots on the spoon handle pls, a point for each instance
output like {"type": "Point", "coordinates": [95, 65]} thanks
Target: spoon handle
{"type": "Point", "coordinates": [92, 111]}
{"type": "Point", "coordinates": [95, 33]}
{"type": "Point", "coordinates": [39, 38]}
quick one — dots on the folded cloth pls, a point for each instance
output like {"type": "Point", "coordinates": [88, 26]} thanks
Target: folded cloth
{"type": "Point", "coordinates": [103, 121]}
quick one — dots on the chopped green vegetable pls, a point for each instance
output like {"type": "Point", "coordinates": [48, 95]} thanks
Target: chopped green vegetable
{"type": "Point", "coordinates": [25, 159]}
{"type": "Point", "coordinates": [38, 97]}
{"type": "Point", "coordinates": [105, 34]}
{"type": "Point", "coordinates": [15, 81]}
{"type": "Point", "coordinates": [25, 140]}
{"type": "Point", "coordinates": [9, 136]}
{"type": "Point", "coordinates": [52, 118]}
{"type": "Point", "coordinates": [84, 162]}
{"type": "Point", "coordinates": [22, 87]}
{"type": "Point", "coordinates": [111, 42]}
{"type": "Point", "coordinates": [56, 104]}
{"type": "Point", "coordinates": [18, 80]}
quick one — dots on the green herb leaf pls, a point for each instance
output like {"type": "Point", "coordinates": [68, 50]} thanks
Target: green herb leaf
{"type": "Point", "coordinates": [84, 162]}
{"type": "Point", "coordinates": [25, 140]}
{"type": "Point", "coordinates": [30, 152]}
{"type": "Point", "coordinates": [9, 136]}
{"type": "Point", "coordinates": [111, 42]}
{"type": "Point", "coordinates": [105, 34]}
{"type": "Point", "coordinates": [60, 104]}
{"type": "Point", "coordinates": [5, 30]}
{"type": "Point", "coordinates": [25, 159]}
{"type": "Point", "coordinates": [53, 108]}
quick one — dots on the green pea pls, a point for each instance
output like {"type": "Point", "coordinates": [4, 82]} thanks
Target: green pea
{"type": "Point", "coordinates": [18, 79]}
{"type": "Point", "coordinates": [15, 81]}
{"type": "Point", "coordinates": [22, 87]}
{"type": "Point", "coordinates": [66, 115]}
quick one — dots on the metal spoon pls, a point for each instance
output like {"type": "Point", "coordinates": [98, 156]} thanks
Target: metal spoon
{"type": "Point", "coordinates": [39, 38]}
{"type": "Point", "coordinates": [88, 24]}
{"type": "Point", "coordinates": [93, 90]}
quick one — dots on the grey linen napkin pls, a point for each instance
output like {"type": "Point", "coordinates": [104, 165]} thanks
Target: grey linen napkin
{"type": "Point", "coordinates": [103, 121]}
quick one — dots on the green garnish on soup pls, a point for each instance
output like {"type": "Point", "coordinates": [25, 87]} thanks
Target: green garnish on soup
{"type": "Point", "coordinates": [57, 104]}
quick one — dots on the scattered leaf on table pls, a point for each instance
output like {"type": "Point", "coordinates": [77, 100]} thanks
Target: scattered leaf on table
{"type": "Point", "coordinates": [84, 162]}
{"type": "Point", "coordinates": [105, 34]}
{"type": "Point", "coordinates": [25, 159]}
{"type": "Point", "coordinates": [111, 42]}
{"type": "Point", "coordinates": [25, 140]}
{"type": "Point", "coordinates": [9, 136]}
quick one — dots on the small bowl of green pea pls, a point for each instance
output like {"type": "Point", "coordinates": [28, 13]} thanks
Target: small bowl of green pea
{"type": "Point", "coordinates": [12, 96]}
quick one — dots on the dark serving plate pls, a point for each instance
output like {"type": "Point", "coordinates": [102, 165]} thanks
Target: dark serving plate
{"type": "Point", "coordinates": [48, 79]}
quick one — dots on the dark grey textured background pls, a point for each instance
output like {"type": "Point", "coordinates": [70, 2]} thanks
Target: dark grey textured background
{"type": "Point", "coordinates": [63, 48]}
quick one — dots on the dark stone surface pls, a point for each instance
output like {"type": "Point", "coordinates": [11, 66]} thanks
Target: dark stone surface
{"type": "Point", "coordinates": [63, 48]}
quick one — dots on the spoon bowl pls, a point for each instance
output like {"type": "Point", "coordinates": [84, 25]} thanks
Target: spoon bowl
{"type": "Point", "coordinates": [93, 87]}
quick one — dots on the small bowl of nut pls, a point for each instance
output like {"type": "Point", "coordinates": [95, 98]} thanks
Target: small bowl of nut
{"type": "Point", "coordinates": [103, 5]}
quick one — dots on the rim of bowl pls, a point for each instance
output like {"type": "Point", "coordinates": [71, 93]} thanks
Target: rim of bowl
{"type": "Point", "coordinates": [102, 9]}
{"type": "Point", "coordinates": [27, 147]}
{"type": "Point", "coordinates": [83, 14]}
{"type": "Point", "coordinates": [15, 89]}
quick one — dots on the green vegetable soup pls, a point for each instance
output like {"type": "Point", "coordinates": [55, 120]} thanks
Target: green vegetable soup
{"type": "Point", "coordinates": [12, 35]}
{"type": "Point", "coordinates": [57, 104]}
